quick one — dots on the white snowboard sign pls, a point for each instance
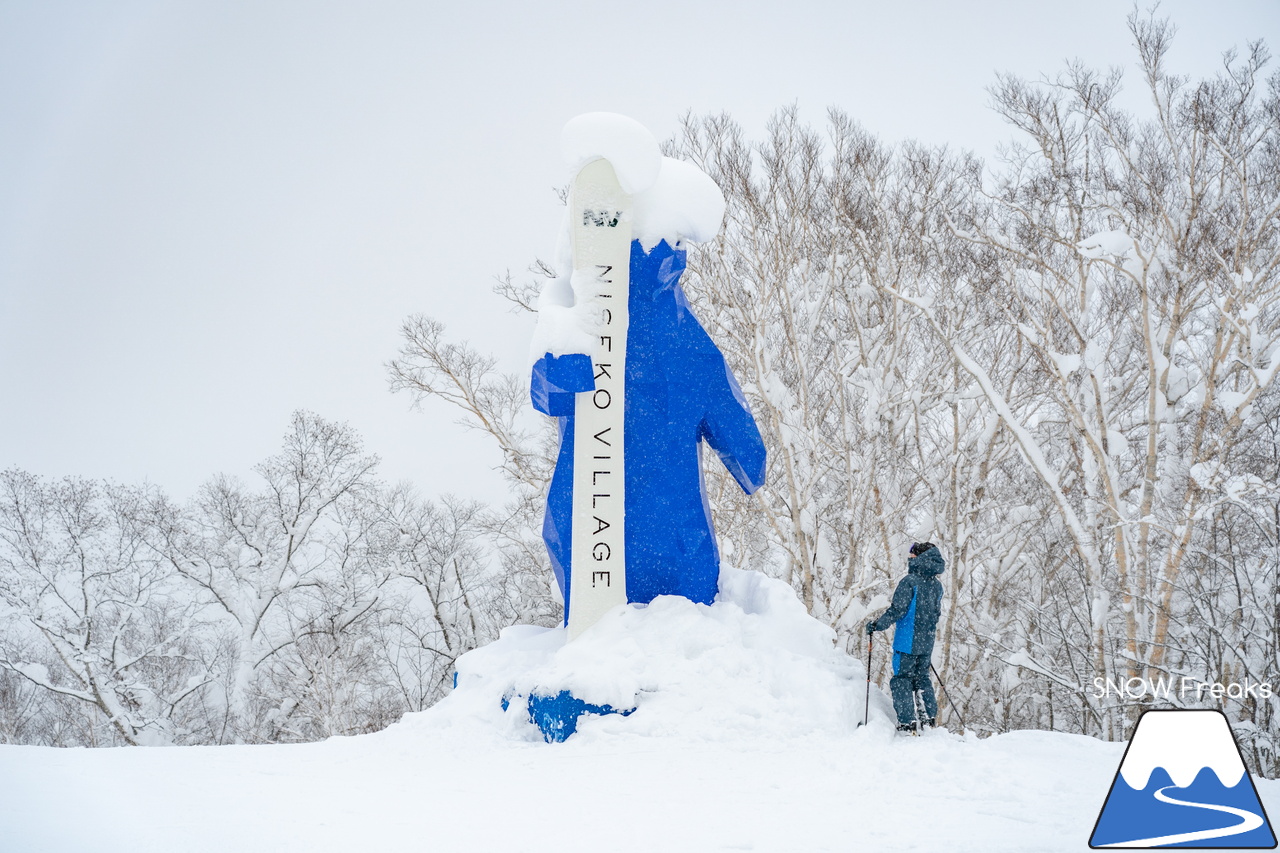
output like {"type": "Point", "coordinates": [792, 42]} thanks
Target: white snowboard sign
{"type": "Point", "coordinates": [600, 233]}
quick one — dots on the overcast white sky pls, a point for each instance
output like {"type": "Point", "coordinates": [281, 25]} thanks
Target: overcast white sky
{"type": "Point", "coordinates": [212, 214]}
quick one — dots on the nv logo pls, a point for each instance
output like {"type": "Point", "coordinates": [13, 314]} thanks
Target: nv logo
{"type": "Point", "coordinates": [601, 218]}
{"type": "Point", "coordinates": [1182, 783]}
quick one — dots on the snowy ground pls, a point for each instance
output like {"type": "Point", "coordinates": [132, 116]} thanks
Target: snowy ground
{"type": "Point", "coordinates": [414, 788]}
{"type": "Point", "coordinates": [744, 738]}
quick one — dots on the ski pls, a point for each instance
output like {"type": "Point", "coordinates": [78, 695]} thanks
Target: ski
{"type": "Point", "coordinates": [918, 726]}
{"type": "Point", "coordinates": [600, 237]}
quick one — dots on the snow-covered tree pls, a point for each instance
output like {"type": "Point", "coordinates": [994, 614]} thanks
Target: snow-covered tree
{"type": "Point", "coordinates": [91, 614]}
{"type": "Point", "coordinates": [277, 564]}
{"type": "Point", "coordinates": [320, 603]}
{"type": "Point", "coordinates": [1137, 264]}
{"type": "Point", "coordinates": [496, 403]}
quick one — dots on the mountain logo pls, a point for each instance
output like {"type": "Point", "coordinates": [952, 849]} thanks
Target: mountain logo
{"type": "Point", "coordinates": [1182, 783]}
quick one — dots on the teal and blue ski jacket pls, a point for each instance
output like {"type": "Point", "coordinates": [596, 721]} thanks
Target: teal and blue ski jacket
{"type": "Point", "coordinates": [916, 604]}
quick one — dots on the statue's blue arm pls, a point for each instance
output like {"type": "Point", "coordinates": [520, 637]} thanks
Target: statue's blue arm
{"type": "Point", "coordinates": [732, 433]}
{"type": "Point", "coordinates": [556, 379]}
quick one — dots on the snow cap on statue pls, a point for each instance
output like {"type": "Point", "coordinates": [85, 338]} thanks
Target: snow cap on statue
{"type": "Point", "coordinates": [683, 204]}
{"type": "Point", "coordinates": [674, 200]}
{"type": "Point", "coordinates": [627, 144]}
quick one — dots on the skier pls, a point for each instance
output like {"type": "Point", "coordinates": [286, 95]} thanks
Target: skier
{"type": "Point", "coordinates": [914, 612]}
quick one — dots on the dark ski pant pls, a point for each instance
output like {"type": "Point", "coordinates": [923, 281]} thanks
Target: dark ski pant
{"type": "Point", "coordinates": [911, 673]}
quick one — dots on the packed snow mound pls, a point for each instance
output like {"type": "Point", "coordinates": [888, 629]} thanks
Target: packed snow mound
{"type": "Point", "coordinates": [683, 204]}
{"type": "Point", "coordinates": [752, 664]}
{"type": "Point", "coordinates": [627, 144]}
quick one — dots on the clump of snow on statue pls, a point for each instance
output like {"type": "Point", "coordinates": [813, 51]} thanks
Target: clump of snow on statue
{"type": "Point", "coordinates": [752, 664]}
{"type": "Point", "coordinates": [682, 204]}
{"type": "Point", "coordinates": [674, 201]}
{"type": "Point", "coordinates": [636, 159]}
{"type": "Point", "coordinates": [627, 144]}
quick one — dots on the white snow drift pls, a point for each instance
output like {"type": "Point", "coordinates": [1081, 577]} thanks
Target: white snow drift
{"type": "Point", "coordinates": [752, 664]}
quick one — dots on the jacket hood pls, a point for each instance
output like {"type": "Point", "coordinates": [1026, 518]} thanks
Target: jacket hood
{"type": "Point", "coordinates": [928, 563]}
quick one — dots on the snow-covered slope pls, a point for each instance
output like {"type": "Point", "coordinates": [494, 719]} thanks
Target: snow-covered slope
{"type": "Point", "coordinates": [427, 788]}
{"type": "Point", "coordinates": [745, 738]}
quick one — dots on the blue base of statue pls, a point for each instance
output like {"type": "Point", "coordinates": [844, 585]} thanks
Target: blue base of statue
{"type": "Point", "coordinates": [557, 716]}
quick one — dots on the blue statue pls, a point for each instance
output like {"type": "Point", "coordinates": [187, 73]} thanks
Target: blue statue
{"type": "Point", "coordinates": [679, 391]}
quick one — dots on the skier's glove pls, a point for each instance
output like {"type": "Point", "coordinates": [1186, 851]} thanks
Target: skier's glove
{"type": "Point", "coordinates": [871, 627]}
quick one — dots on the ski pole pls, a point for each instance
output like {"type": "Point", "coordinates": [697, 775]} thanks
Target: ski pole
{"type": "Point", "coordinates": [947, 693]}
{"type": "Point", "coordinates": [866, 711]}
